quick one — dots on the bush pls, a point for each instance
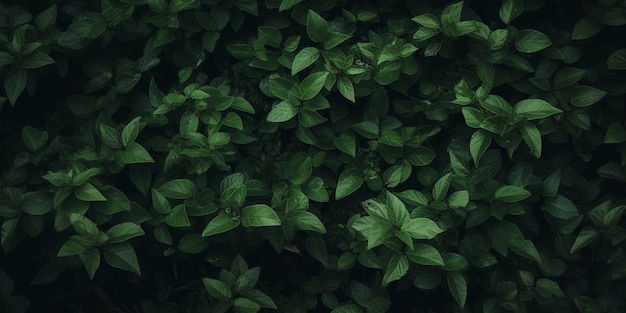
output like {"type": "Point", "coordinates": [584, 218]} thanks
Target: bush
{"type": "Point", "coordinates": [312, 156]}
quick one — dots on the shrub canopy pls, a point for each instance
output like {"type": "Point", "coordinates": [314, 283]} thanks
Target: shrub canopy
{"type": "Point", "coordinates": [312, 156]}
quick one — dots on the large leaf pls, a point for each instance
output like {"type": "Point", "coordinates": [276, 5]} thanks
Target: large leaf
{"type": "Point", "coordinates": [397, 267]}
{"type": "Point", "coordinates": [458, 287]}
{"type": "Point", "coordinates": [349, 182]}
{"type": "Point", "coordinates": [304, 58]}
{"type": "Point", "coordinates": [533, 109]}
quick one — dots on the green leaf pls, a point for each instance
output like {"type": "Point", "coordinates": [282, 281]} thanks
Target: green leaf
{"type": "Point", "coordinates": [458, 199]}
{"type": "Point", "coordinates": [261, 298]}
{"type": "Point", "coordinates": [615, 134]}
{"type": "Point", "coordinates": [532, 138]}
{"type": "Point", "coordinates": [14, 84]}
{"type": "Point", "coordinates": [130, 132]}
{"type": "Point", "coordinates": [533, 109]}
{"type": "Point", "coordinates": [36, 202]}
{"type": "Point", "coordinates": [568, 76]}
{"type": "Point", "coordinates": [616, 61]}
{"type": "Point", "coordinates": [421, 156]}
{"type": "Point", "coordinates": [347, 308]}
{"type": "Point", "coordinates": [346, 143]}
{"type": "Point", "coordinates": [91, 260]}
{"type": "Point", "coordinates": [282, 112]}
{"type": "Point", "coordinates": [421, 228]}
{"type": "Point", "coordinates": [312, 85]}
{"type": "Point", "coordinates": [586, 236]}
{"type": "Point", "coordinates": [479, 143]}
{"type": "Point", "coordinates": [178, 217]}
{"type": "Point", "coordinates": [36, 60]}
{"type": "Point", "coordinates": [302, 173]}
{"type": "Point", "coordinates": [135, 153]}
{"type": "Point", "coordinates": [316, 26]}
{"type": "Point", "coordinates": [217, 289]}
{"type": "Point", "coordinates": [6, 58]}
{"type": "Point", "coordinates": [305, 220]}
{"type": "Point", "coordinates": [531, 41]}
{"type": "Point", "coordinates": [511, 9]}
{"type": "Point", "coordinates": [427, 20]}
{"type": "Point", "coordinates": [303, 59]}
{"type": "Point", "coordinates": [110, 136]}
{"type": "Point", "coordinates": [511, 193]}
{"type": "Point", "coordinates": [397, 267]}
{"type": "Point", "coordinates": [547, 288]}
{"type": "Point", "coordinates": [124, 231]}
{"type": "Point", "coordinates": [287, 4]}
{"type": "Point", "coordinates": [458, 287]}
{"type": "Point", "coordinates": [391, 138]}
{"type": "Point", "coordinates": [87, 192]}
{"type": "Point", "coordinates": [346, 88]}
{"type": "Point", "coordinates": [245, 305]}
{"type": "Point", "coordinates": [220, 224]}
{"type": "Point", "coordinates": [440, 189]}
{"type": "Point", "coordinates": [72, 246]}
{"type": "Point", "coordinates": [585, 28]}
{"type": "Point", "coordinates": [349, 182]}
{"type": "Point", "coordinates": [561, 208]}
{"type": "Point", "coordinates": [497, 105]}
{"type": "Point", "coordinates": [452, 13]}
{"type": "Point", "coordinates": [425, 254]}
{"type": "Point", "coordinates": [33, 138]}
{"type": "Point", "coordinates": [178, 189]}
{"type": "Point", "coordinates": [584, 96]}
{"type": "Point", "coordinates": [315, 190]}
{"type": "Point", "coordinates": [122, 256]}
{"type": "Point", "coordinates": [46, 18]}
{"type": "Point", "coordinates": [258, 215]}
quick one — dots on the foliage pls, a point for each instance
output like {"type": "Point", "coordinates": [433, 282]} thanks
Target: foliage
{"type": "Point", "coordinates": [312, 156]}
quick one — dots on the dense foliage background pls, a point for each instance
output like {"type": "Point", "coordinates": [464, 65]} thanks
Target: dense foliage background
{"type": "Point", "coordinates": [312, 156]}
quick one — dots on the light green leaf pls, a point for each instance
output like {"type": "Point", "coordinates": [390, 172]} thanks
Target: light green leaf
{"type": "Point", "coordinates": [533, 109]}
{"type": "Point", "coordinates": [421, 228]}
{"type": "Point", "coordinates": [245, 305]}
{"type": "Point", "coordinates": [312, 85]}
{"type": "Point", "coordinates": [427, 20]}
{"type": "Point", "coordinates": [531, 41]}
{"type": "Point", "coordinates": [397, 267]}
{"type": "Point", "coordinates": [259, 215]}
{"type": "Point", "coordinates": [440, 189]}
{"type": "Point", "coordinates": [349, 181]}
{"type": "Point", "coordinates": [425, 254]}
{"type": "Point", "coordinates": [458, 199]}
{"type": "Point", "coordinates": [303, 59]}
{"type": "Point", "coordinates": [124, 231]}
{"type": "Point", "coordinates": [346, 88]}
{"type": "Point", "coordinates": [532, 138]}
{"type": "Point", "coordinates": [479, 143]}
{"type": "Point", "coordinates": [452, 13]}
{"type": "Point", "coordinates": [282, 112]}
{"type": "Point", "coordinates": [87, 192]}
{"type": "Point", "coordinates": [135, 153]}
{"type": "Point", "coordinates": [511, 193]}
{"type": "Point", "coordinates": [178, 189]}
{"type": "Point", "coordinates": [220, 224]}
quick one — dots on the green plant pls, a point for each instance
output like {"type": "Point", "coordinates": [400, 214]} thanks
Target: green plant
{"type": "Point", "coordinates": [295, 156]}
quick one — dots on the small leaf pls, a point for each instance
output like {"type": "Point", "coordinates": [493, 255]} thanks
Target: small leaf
{"type": "Point", "coordinates": [616, 61]}
{"type": "Point", "coordinates": [425, 254]}
{"type": "Point", "coordinates": [397, 267]}
{"type": "Point", "coordinates": [535, 109]}
{"type": "Point", "coordinates": [14, 84]}
{"type": "Point", "coordinates": [217, 289]}
{"type": "Point", "coordinates": [312, 85]}
{"type": "Point", "coordinates": [220, 224]}
{"type": "Point", "coordinates": [316, 26]}
{"type": "Point", "coordinates": [531, 41]}
{"type": "Point", "coordinates": [122, 256]}
{"type": "Point", "coordinates": [458, 287]}
{"type": "Point", "coordinates": [303, 59]}
{"type": "Point", "coordinates": [586, 236]}
{"type": "Point", "coordinates": [282, 112]}
{"type": "Point", "coordinates": [349, 181]}
{"type": "Point", "coordinates": [511, 193]}
{"type": "Point", "coordinates": [511, 9]}
{"type": "Point", "coordinates": [259, 215]}
{"type": "Point", "coordinates": [346, 88]}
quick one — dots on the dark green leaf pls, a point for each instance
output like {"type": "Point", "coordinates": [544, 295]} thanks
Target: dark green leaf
{"type": "Point", "coordinates": [616, 61]}
{"type": "Point", "coordinates": [585, 28]}
{"type": "Point", "coordinates": [122, 256]}
{"type": "Point", "coordinates": [178, 217]}
{"type": "Point", "coordinates": [312, 85]}
{"type": "Point", "coordinates": [282, 112]}
{"type": "Point", "coordinates": [531, 41]}
{"type": "Point", "coordinates": [533, 109]}
{"type": "Point", "coordinates": [349, 181]}
{"type": "Point", "coordinates": [87, 192]}
{"type": "Point", "coordinates": [303, 59]}
{"type": "Point", "coordinates": [217, 289]}
{"type": "Point", "coordinates": [397, 267]}
{"type": "Point", "coordinates": [547, 288]}
{"type": "Point", "coordinates": [458, 287]}
{"type": "Point", "coordinates": [36, 203]}
{"type": "Point", "coordinates": [346, 88]}
{"type": "Point", "coordinates": [178, 189]}
{"type": "Point", "coordinates": [91, 260]}
{"type": "Point", "coordinates": [511, 9]}
{"type": "Point", "coordinates": [586, 236]}
{"type": "Point", "coordinates": [14, 84]}
{"type": "Point", "coordinates": [510, 193]}
{"type": "Point", "coordinates": [124, 231]}
{"type": "Point", "coordinates": [316, 26]}
{"type": "Point", "coordinates": [421, 228]}
{"type": "Point", "coordinates": [425, 254]}
{"type": "Point", "coordinates": [561, 208]}
{"type": "Point", "coordinates": [452, 13]}
{"type": "Point", "coordinates": [135, 153]}
{"type": "Point", "coordinates": [305, 220]}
